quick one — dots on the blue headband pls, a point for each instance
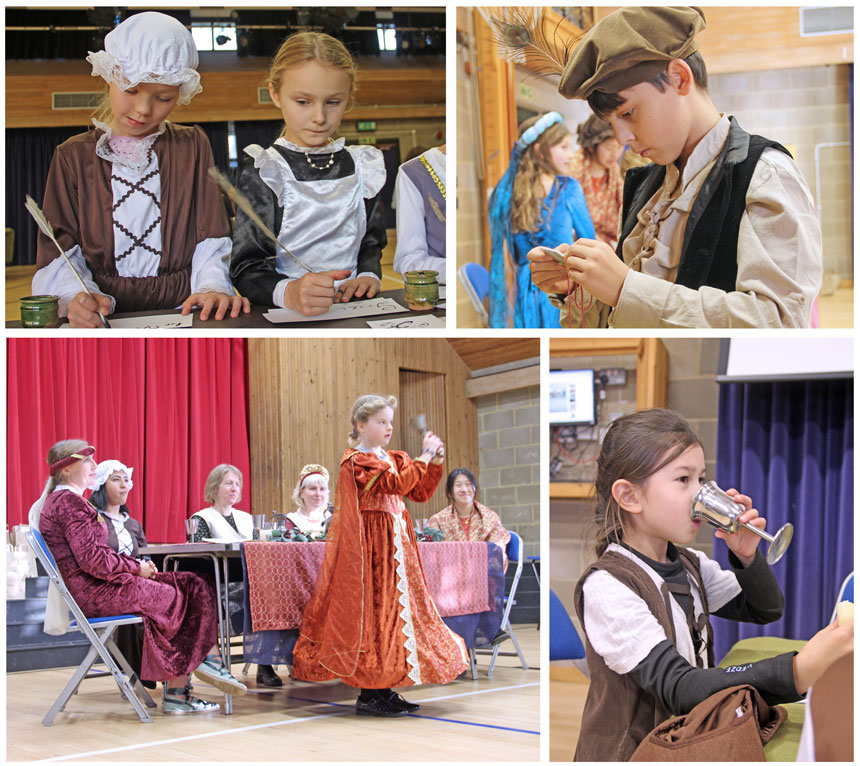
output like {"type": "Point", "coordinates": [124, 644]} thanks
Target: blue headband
{"type": "Point", "coordinates": [534, 132]}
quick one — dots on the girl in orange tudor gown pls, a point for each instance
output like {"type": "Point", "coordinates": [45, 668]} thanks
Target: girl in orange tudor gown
{"type": "Point", "coordinates": [371, 621]}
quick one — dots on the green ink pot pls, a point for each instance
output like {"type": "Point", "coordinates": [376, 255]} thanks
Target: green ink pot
{"type": "Point", "coordinates": [40, 311]}
{"type": "Point", "coordinates": [422, 290]}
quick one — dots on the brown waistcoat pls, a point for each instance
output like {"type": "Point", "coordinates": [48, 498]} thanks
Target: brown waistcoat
{"type": "Point", "coordinates": [618, 713]}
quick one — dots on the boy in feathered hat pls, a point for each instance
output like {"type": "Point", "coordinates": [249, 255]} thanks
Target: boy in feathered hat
{"type": "Point", "coordinates": [721, 230]}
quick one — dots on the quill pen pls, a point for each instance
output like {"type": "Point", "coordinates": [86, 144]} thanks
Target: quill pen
{"type": "Point", "coordinates": [45, 225]}
{"type": "Point", "coordinates": [244, 204]}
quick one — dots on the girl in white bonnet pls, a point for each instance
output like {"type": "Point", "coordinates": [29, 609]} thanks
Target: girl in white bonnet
{"type": "Point", "coordinates": [130, 201]}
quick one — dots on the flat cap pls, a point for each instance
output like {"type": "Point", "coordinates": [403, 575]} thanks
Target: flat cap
{"type": "Point", "coordinates": [629, 46]}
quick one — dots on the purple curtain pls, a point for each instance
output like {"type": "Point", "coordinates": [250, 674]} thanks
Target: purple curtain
{"type": "Point", "coordinates": [790, 447]}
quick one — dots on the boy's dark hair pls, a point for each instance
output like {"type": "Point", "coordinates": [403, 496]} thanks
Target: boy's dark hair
{"type": "Point", "coordinates": [603, 104]}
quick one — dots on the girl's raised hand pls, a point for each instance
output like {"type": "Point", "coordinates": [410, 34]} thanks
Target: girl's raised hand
{"type": "Point", "coordinates": [314, 292]}
{"type": "Point", "coordinates": [360, 287]}
{"type": "Point", "coordinates": [547, 273]}
{"type": "Point", "coordinates": [432, 443]}
{"type": "Point", "coordinates": [221, 302]}
{"type": "Point", "coordinates": [743, 543]}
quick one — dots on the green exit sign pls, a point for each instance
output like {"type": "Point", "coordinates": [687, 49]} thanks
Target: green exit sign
{"type": "Point", "coordinates": [366, 140]}
{"type": "Point", "coordinates": [364, 125]}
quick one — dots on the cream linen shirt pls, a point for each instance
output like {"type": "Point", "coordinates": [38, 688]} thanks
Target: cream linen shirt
{"type": "Point", "coordinates": [779, 252]}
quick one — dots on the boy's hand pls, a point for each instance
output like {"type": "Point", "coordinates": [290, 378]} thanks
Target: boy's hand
{"type": "Point", "coordinates": [547, 273]}
{"type": "Point", "coordinates": [313, 293]}
{"type": "Point", "coordinates": [596, 267]}
{"type": "Point", "coordinates": [360, 287]}
{"type": "Point", "coordinates": [820, 652]}
{"type": "Point", "coordinates": [743, 543]}
{"type": "Point", "coordinates": [210, 299]}
{"type": "Point", "coordinates": [83, 311]}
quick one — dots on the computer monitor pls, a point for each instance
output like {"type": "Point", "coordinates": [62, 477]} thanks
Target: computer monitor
{"type": "Point", "coordinates": [571, 398]}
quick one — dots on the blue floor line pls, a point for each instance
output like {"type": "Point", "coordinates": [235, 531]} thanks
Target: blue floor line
{"type": "Point", "coordinates": [428, 717]}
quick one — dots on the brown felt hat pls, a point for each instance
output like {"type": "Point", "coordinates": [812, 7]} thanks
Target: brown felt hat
{"type": "Point", "coordinates": [629, 46]}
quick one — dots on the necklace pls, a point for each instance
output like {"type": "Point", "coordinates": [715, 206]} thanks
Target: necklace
{"type": "Point", "coordinates": [320, 167]}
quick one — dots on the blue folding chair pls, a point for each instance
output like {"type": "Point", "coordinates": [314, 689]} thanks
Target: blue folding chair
{"type": "Point", "coordinates": [99, 631]}
{"type": "Point", "coordinates": [514, 552]}
{"type": "Point", "coordinates": [476, 282]}
{"type": "Point", "coordinates": [846, 593]}
{"type": "Point", "coordinates": [564, 640]}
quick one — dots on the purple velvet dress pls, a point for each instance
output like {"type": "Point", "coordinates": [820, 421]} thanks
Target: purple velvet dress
{"type": "Point", "coordinates": [179, 610]}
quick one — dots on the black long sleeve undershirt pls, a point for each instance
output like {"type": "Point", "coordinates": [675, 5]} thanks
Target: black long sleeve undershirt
{"type": "Point", "coordinates": [666, 675]}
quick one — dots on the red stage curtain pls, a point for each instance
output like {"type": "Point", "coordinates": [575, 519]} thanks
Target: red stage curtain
{"type": "Point", "coordinates": [171, 409]}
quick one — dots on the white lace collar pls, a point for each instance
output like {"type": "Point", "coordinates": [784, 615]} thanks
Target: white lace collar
{"type": "Point", "coordinates": [334, 146]}
{"type": "Point", "coordinates": [61, 487]}
{"type": "Point", "coordinates": [136, 155]}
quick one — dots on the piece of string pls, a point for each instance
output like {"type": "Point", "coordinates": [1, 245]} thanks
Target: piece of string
{"type": "Point", "coordinates": [580, 293]}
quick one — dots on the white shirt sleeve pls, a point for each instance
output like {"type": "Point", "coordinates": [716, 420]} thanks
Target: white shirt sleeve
{"type": "Point", "coordinates": [57, 279]}
{"type": "Point", "coordinates": [210, 266]}
{"type": "Point", "coordinates": [619, 624]}
{"type": "Point", "coordinates": [411, 253]}
{"type": "Point", "coordinates": [721, 585]}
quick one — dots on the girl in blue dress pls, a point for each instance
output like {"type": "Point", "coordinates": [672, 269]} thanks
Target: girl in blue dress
{"type": "Point", "coordinates": [535, 203]}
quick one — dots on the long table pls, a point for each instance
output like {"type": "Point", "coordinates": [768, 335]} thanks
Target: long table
{"type": "Point", "coordinates": [256, 320]}
{"type": "Point", "coordinates": [466, 581]}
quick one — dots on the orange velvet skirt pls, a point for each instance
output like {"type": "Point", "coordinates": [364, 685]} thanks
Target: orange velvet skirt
{"type": "Point", "coordinates": [403, 639]}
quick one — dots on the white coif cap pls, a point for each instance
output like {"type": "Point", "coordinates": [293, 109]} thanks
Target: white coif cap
{"type": "Point", "coordinates": [105, 469]}
{"type": "Point", "coordinates": [149, 47]}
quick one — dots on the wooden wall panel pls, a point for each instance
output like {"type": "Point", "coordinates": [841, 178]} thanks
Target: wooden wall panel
{"type": "Point", "coordinates": [747, 39]}
{"type": "Point", "coordinates": [227, 95]}
{"type": "Point", "coordinates": [301, 393]}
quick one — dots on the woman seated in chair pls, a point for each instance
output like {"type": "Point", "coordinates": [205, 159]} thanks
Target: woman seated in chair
{"type": "Point", "coordinates": [125, 535]}
{"type": "Point", "coordinates": [178, 608]}
{"type": "Point", "coordinates": [221, 521]}
{"type": "Point", "coordinates": [466, 518]}
{"type": "Point", "coordinates": [311, 498]}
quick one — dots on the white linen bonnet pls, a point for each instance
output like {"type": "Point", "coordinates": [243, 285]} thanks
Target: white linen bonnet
{"type": "Point", "coordinates": [105, 469]}
{"type": "Point", "coordinates": [149, 47]}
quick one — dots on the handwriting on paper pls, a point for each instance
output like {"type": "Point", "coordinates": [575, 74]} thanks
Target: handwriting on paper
{"type": "Point", "coordinates": [154, 322]}
{"type": "Point", "coordinates": [408, 323]}
{"type": "Point", "coordinates": [361, 308]}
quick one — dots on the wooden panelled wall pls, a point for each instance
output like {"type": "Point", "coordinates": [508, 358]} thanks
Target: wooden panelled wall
{"type": "Point", "coordinates": [301, 393]}
{"type": "Point", "coordinates": [747, 39]}
{"type": "Point", "coordinates": [384, 93]}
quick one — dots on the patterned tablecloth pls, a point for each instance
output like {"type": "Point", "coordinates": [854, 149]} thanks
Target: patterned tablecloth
{"type": "Point", "coordinates": [281, 578]}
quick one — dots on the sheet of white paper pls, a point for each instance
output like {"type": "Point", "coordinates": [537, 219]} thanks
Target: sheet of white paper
{"type": "Point", "coordinates": [408, 323]}
{"type": "Point", "coordinates": [368, 308]}
{"type": "Point", "coordinates": [441, 292]}
{"type": "Point", "coordinates": [156, 322]}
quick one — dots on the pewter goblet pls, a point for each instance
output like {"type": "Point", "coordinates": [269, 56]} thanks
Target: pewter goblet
{"type": "Point", "coordinates": [716, 508]}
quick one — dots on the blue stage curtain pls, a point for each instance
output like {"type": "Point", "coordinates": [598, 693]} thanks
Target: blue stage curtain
{"type": "Point", "coordinates": [790, 447]}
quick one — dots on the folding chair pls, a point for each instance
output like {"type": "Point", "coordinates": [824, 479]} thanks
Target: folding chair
{"type": "Point", "coordinates": [476, 282]}
{"type": "Point", "coordinates": [564, 640]}
{"type": "Point", "coordinates": [99, 631]}
{"type": "Point", "coordinates": [846, 593]}
{"type": "Point", "coordinates": [514, 551]}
